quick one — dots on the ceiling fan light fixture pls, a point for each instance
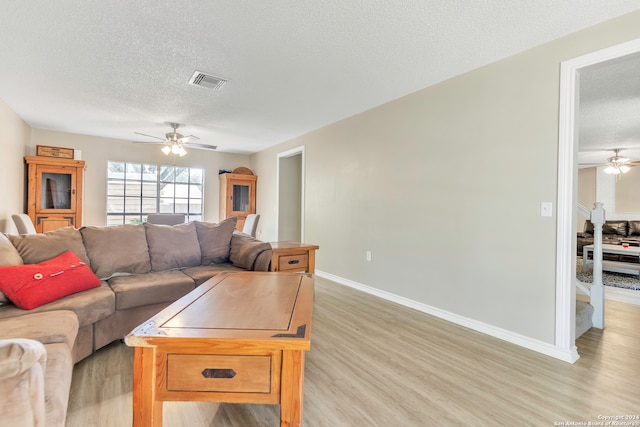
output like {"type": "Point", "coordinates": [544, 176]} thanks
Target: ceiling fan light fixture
{"type": "Point", "coordinates": [612, 170]}
{"type": "Point", "coordinates": [624, 168]}
{"type": "Point", "coordinates": [166, 150]}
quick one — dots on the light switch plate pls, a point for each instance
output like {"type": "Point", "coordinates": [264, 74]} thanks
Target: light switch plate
{"type": "Point", "coordinates": [546, 209]}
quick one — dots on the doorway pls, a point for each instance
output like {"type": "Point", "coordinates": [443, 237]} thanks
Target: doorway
{"type": "Point", "coordinates": [290, 201]}
{"type": "Point", "coordinates": [567, 190]}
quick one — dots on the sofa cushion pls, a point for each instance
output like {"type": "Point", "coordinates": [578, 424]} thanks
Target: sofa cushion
{"type": "Point", "coordinates": [202, 273]}
{"type": "Point", "coordinates": [150, 288]}
{"type": "Point", "coordinates": [32, 285]}
{"type": "Point", "coordinates": [172, 246]}
{"type": "Point", "coordinates": [615, 227]}
{"type": "Point", "coordinates": [104, 247]}
{"type": "Point", "coordinates": [35, 248]}
{"type": "Point", "coordinates": [9, 255]}
{"type": "Point", "coordinates": [89, 306]}
{"type": "Point", "coordinates": [634, 228]}
{"type": "Point", "coordinates": [215, 240]}
{"type": "Point", "coordinates": [50, 327]}
{"type": "Point", "coordinates": [618, 228]}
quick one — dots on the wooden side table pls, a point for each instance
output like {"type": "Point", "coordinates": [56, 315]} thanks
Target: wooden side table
{"type": "Point", "coordinates": [293, 256]}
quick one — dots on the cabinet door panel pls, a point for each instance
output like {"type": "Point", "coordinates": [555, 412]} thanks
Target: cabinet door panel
{"type": "Point", "coordinates": [56, 189]}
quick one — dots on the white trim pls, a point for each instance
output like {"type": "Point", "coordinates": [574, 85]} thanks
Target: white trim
{"type": "Point", "coordinates": [567, 171]}
{"type": "Point", "coordinates": [623, 295]}
{"type": "Point", "coordinates": [567, 355]}
{"type": "Point", "coordinates": [289, 153]}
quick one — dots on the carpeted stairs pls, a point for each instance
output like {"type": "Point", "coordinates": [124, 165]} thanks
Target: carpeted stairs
{"type": "Point", "coordinates": [584, 317]}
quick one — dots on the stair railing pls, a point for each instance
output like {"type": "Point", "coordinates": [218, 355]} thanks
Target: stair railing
{"type": "Point", "coordinates": [596, 297]}
{"type": "Point", "coordinates": [587, 214]}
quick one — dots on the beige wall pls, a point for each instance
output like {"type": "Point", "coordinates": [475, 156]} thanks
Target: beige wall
{"type": "Point", "coordinates": [97, 151]}
{"type": "Point", "coordinates": [627, 194]}
{"type": "Point", "coordinates": [14, 137]}
{"type": "Point", "coordinates": [444, 187]}
{"type": "Point", "coordinates": [290, 200]}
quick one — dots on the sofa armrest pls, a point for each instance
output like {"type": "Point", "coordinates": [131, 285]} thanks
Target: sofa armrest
{"type": "Point", "coordinates": [250, 253]}
{"type": "Point", "coordinates": [18, 355]}
{"type": "Point", "coordinates": [22, 366]}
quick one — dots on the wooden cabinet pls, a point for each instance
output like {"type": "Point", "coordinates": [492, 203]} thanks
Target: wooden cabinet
{"type": "Point", "coordinates": [237, 196]}
{"type": "Point", "coordinates": [54, 192]}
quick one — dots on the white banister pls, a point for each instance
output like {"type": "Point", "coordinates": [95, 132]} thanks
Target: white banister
{"type": "Point", "coordinates": [597, 287]}
{"type": "Point", "coordinates": [582, 287]}
{"type": "Point", "coordinates": [584, 211]}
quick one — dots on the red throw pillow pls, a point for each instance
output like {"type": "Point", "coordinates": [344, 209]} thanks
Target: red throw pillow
{"type": "Point", "coordinates": [31, 285]}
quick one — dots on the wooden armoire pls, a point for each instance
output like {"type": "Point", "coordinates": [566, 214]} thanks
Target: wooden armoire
{"type": "Point", "coordinates": [237, 196]}
{"type": "Point", "coordinates": [54, 192]}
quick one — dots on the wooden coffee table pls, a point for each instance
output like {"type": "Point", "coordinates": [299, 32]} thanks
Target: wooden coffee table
{"type": "Point", "coordinates": [239, 337]}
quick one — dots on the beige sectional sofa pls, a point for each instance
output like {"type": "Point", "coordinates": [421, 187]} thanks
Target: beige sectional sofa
{"type": "Point", "coordinates": [142, 269]}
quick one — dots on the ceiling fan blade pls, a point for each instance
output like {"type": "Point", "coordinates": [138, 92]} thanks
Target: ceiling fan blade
{"type": "Point", "coordinates": [188, 138]}
{"type": "Point", "coordinates": [200, 146]}
{"type": "Point", "coordinates": [150, 136]}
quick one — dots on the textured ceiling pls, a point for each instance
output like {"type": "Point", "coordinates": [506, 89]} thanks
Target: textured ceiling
{"type": "Point", "coordinates": [111, 68]}
{"type": "Point", "coordinates": [609, 110]}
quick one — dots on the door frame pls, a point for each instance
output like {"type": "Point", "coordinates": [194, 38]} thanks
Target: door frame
{"type": "Point", "coordinates": [567, 190]}
{"type": "Point", "coordinates": [290, 153]}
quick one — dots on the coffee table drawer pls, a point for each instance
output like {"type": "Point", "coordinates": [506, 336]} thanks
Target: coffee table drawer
{"type": "Point", "coordinates": [219, 373]}
{"type": "Point", "coordinates": [293, 262]}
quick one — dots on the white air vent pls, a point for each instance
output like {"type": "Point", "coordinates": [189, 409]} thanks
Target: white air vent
{"type": "Point", "coordinates": [207, 80]}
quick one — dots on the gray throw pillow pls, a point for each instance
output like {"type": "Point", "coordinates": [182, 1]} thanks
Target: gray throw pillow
{"type": "Point", "coordinates": [172, 246]}
{"type": "Point", "coordinates": [117, 249]}
{"type": "Point", "coordinates": [215, 240]}
{"type": "Point", "coordinates": [35, 248]}
{"type": "Point", "coordinates": [8, 256]}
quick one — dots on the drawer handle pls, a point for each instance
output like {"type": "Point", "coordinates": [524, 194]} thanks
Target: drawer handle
{"type": "Point", "coordinates": [294, 261]}
{"type": "Point", "coordinates": [218, 373]}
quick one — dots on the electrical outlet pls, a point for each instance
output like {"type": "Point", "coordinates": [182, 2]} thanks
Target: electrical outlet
{"type": "Point", "coordinates": [368, 255]}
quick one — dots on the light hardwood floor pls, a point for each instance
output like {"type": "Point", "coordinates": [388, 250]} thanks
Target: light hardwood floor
{"type": "Point", "coordinates": [375, 363]}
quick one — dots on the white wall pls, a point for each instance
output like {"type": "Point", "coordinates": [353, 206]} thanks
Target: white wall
{"type": "Point", "coordinates": [97, 151]}
{"type": "Point", "coordinates": [444, 187]}
{"type": "Point", "coordinates": [14, 138]}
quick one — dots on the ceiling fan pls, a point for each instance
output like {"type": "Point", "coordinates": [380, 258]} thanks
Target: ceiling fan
{"type": "Point", "coordinates": [175, 142]}
{"type": "Point", "coordinates": [616, 164]}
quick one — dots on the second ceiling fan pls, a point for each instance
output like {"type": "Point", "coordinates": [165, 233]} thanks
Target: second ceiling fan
{"type": "Point", "coordinates": [616, 164]}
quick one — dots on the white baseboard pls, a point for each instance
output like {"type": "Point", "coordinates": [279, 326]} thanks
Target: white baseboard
{"type": "Point", "coordinates": [566, 355]}
{"type": "Point", "coordinates": [623, 295]}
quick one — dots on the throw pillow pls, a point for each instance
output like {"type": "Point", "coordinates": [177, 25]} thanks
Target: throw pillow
{"type": "Point", "coordinates": [32, 285]}
{"type": "Point", "coordinates": [8, 256]}
{"type": "Point", "coordinates": [172, 246]}
{"type": "Point", "coordinates": [35, 248]}
{"type": "Point", "coordinates": [117, 249]}
{"type": "Point", "coordinates": [215, 240]}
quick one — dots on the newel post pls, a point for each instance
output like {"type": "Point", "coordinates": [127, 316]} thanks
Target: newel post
{"type": "Point", "coordinates": [597, 288]}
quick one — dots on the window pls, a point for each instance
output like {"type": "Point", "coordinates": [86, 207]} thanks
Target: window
{"type": "Point", "coordinates": [135, 190]}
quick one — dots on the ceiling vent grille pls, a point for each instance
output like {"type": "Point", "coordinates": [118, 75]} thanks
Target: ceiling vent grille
{"type": "Point", "coordinates": [207, 80]}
